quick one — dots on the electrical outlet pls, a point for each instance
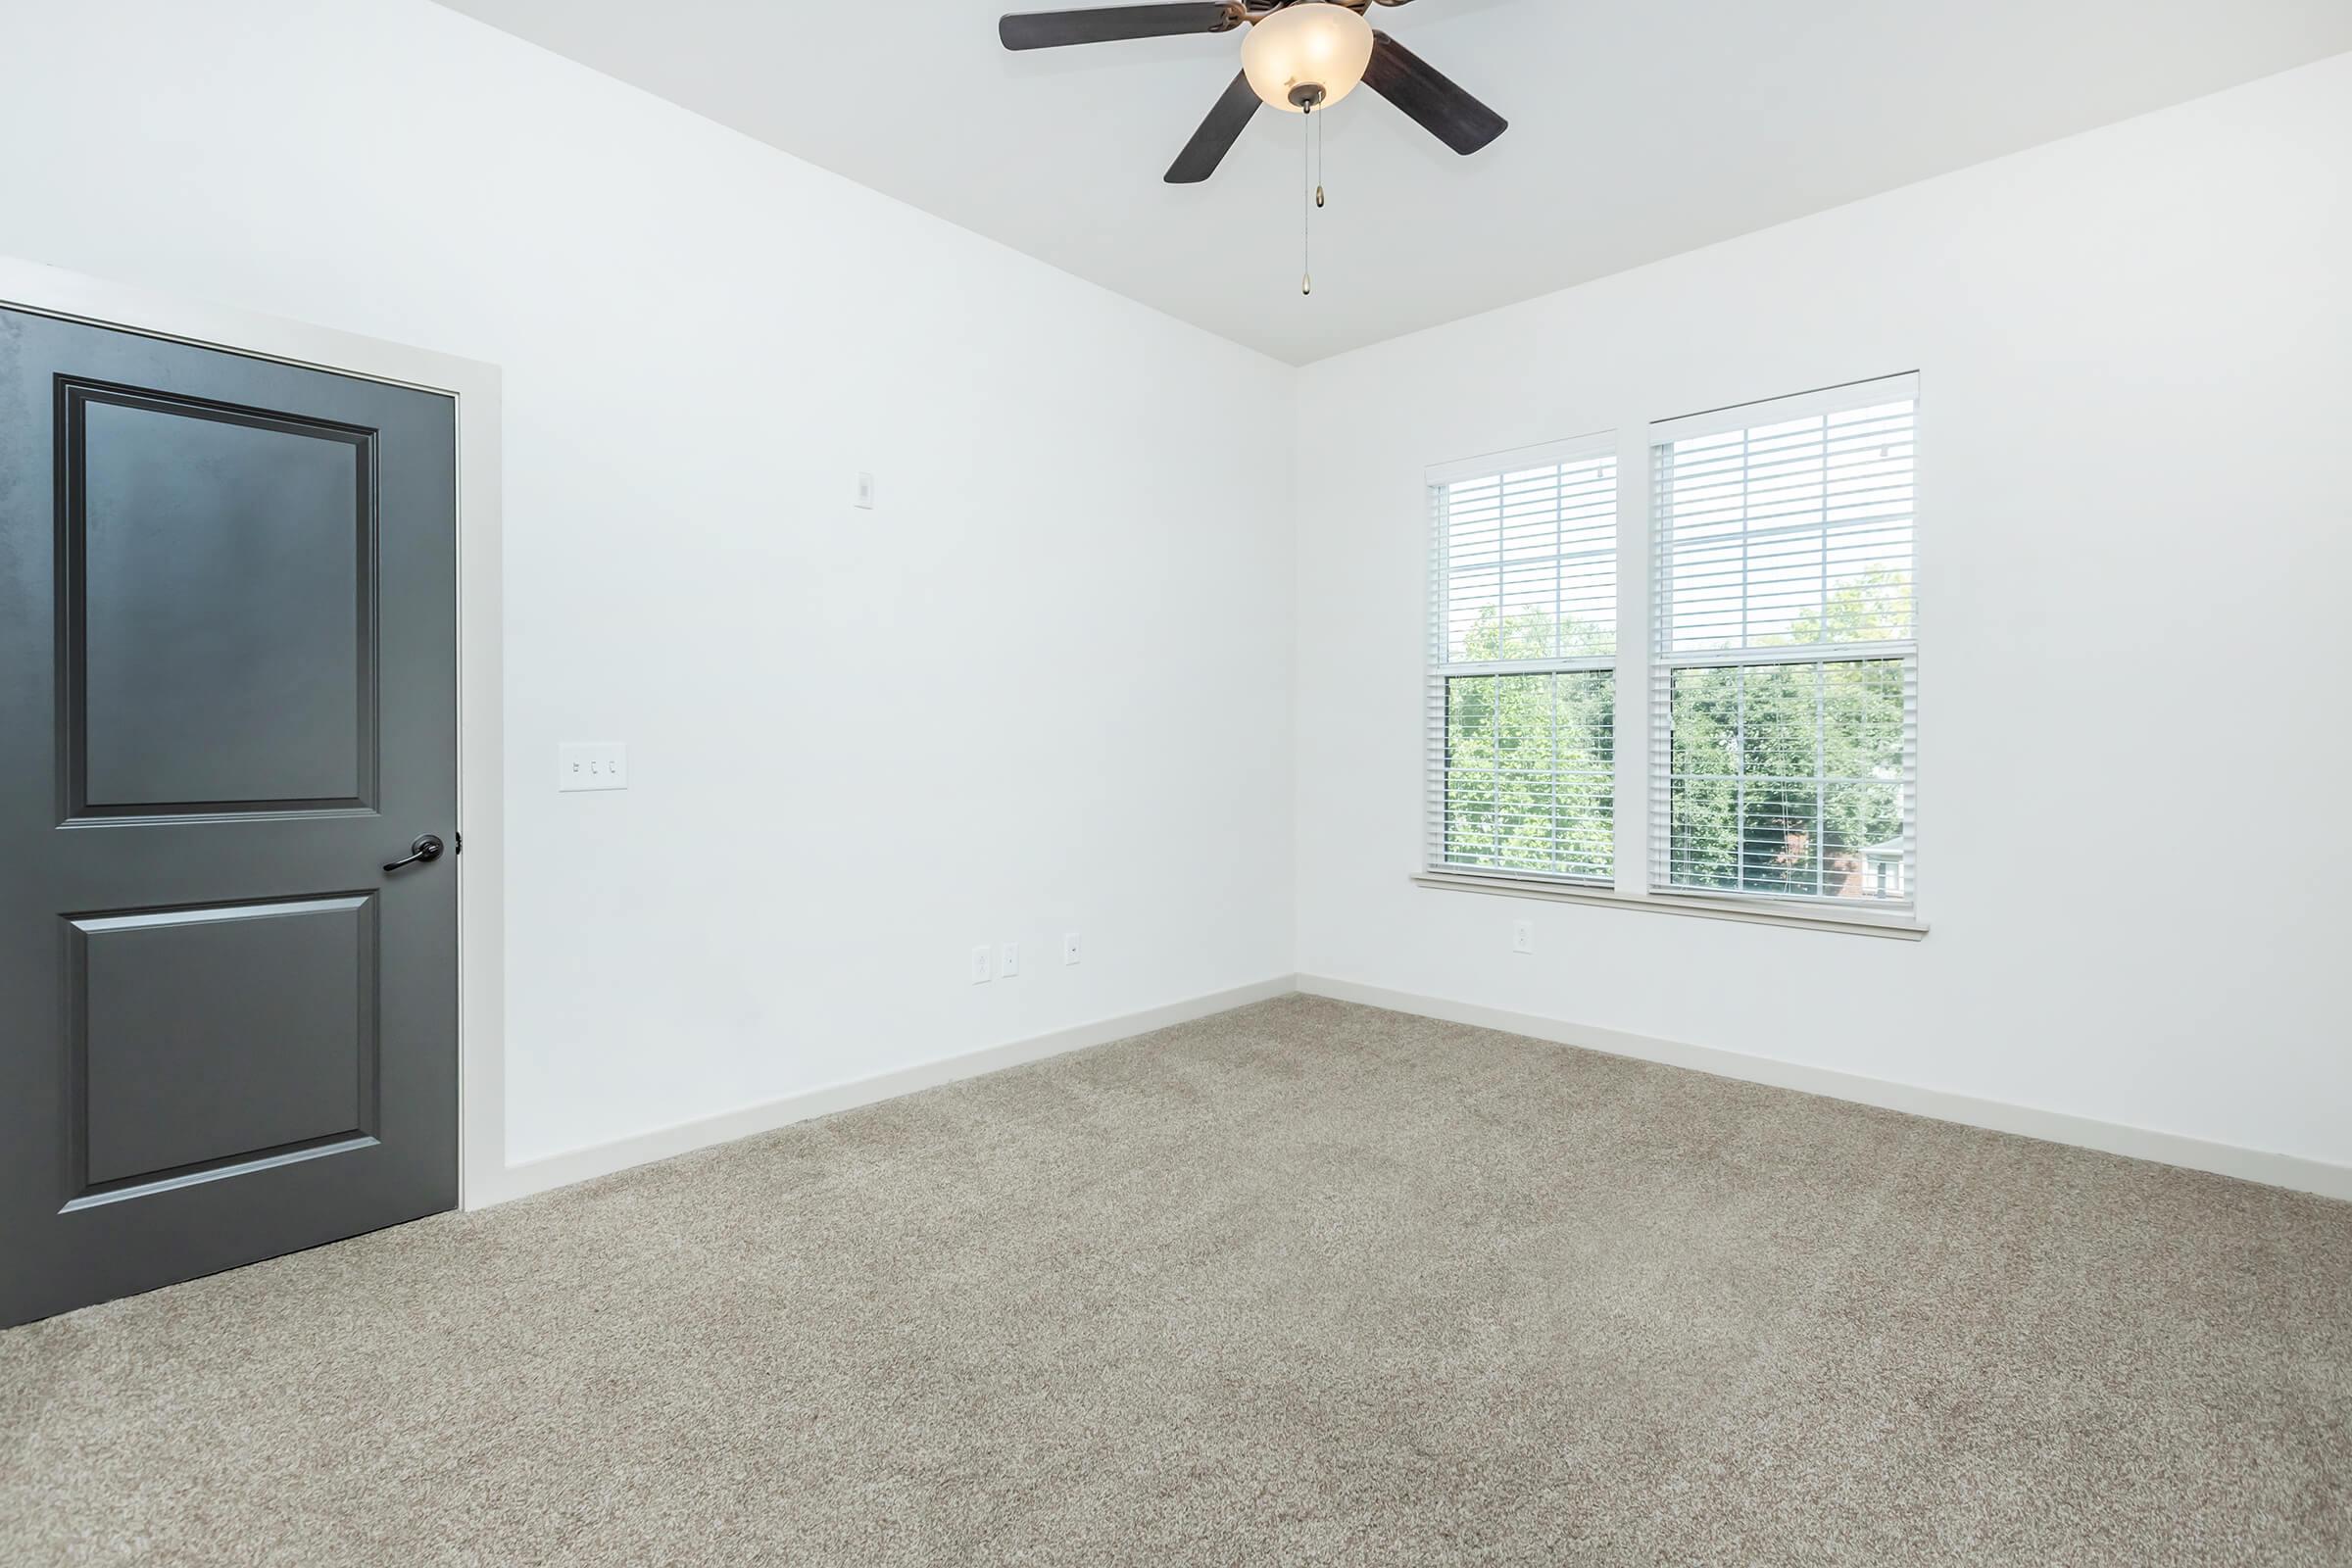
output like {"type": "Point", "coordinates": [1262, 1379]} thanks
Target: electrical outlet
{"type": "Point", "coordinates": [592, 765]}
{"type": "Point", "coordinates": [1523, 936]}
{"type": "Point", "coordinates": [1009, 960]}
{"type": "Point", "coordinates": [865, 492]}
{"type": "Point", "coordinates": [1069, 947]}
{"type": "Point", "coordinates": [984, 967]}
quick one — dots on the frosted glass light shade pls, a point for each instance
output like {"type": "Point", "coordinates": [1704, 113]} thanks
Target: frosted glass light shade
{"type": "Point", "coordinates": [1308, 45]}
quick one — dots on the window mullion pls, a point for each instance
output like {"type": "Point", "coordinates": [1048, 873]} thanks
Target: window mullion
{"type": "Point", "coordinates": [1631, 719]}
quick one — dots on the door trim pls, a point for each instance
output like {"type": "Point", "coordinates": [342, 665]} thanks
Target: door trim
{"type": "Point", "coordinates": [482, 1175]}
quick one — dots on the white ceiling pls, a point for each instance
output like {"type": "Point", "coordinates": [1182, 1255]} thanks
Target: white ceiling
{"type": "Point", "coordinates": [1639, 129]}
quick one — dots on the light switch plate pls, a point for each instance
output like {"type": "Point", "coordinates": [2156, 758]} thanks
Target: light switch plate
{"type": "Point", "coordinates": [865, 491]}
{"type": "Point", "coordinates": [592, 765]}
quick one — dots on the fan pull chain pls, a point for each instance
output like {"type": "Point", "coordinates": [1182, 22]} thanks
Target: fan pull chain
{"type": "Point", "coordinates": [1306, 247]}
{"type": "Point", "coordinates": [1319, 163]}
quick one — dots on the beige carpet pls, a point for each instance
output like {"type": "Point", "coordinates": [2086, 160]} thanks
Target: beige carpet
{"type": "Point", "coordinates": [1306, 1283]}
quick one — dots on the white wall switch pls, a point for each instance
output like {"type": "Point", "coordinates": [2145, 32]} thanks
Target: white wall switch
{"type": "Point", "coordinates": [865, 491]}
{"type": "Point", "coordinates": [592, 765]}
{"type": "Point", "coordinates": [983, 966]}
{"type": "Point", "coordinates": [1523, 936]}
{"type": "Point", "coordinates": [1069, 947]}
{"type": "Point", "coordinates": [1009, 960]}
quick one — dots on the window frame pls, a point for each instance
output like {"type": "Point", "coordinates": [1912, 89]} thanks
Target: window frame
{"type": "Point", "coordinates": [1437, 483]}
{"type": "Point", "coordinates": [1642, 673]}
{"type": "Point", "coordinates": [1665, 663]}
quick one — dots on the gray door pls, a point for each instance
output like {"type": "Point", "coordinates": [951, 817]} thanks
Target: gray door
{"type": "Point", "coordinates": [228, 700]}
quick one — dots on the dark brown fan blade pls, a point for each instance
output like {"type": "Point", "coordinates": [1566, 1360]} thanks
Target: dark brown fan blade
{"type": "Point", "coordinates": [1219, 131]}
{"type": "Point", "coordinates": [1423, 92]}
{"type": "Point", "coordinates": [1050, 30]}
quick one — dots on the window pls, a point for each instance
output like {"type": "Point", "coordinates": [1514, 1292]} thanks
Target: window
{"type": "Point", "coordinates": [1522, 684]}
{"type": "Point", "coordinates": [1783, 719]}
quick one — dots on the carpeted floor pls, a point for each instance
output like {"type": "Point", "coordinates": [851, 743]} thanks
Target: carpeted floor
{"type": "Point", "coordinates": [1305, 1282]}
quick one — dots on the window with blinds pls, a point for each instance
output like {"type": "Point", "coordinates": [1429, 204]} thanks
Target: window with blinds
{"type": "Point", "coordinates": [1523, 661]}
{"type": "Point", "coordinates": [1784, 673]}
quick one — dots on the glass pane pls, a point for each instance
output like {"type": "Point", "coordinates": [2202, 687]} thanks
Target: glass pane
{"type": "Point", "coordinates": [1529, 783]}
{"type": "Point", "coordinates": [1583, 782]}
{"type": "Point", "coordinates": [1702, 848]}
{"type": "Point", "coordinates": [1523, 738]}
{"type": "Point", "coordinates": [1784, 578]}
{"type": "Point", "coordinates": [1862, 720]}
{"type": "Point", "coordinates": [1788, 780]}
{"type": "Point", "coordinates": [1780, 720]}
{"type": "Point", "coordinates": [1470, 784]}
{"type": "Point", "coordinates": [1706, 722]}
{"type": "Point", "coordinates": [1779, 837]}
{"type": "Point", "coordinates": [1587, 710]}
{"type": "Point", "coordinates": [1530, 564]}
{"type": "Point", "coordinates": [1862, 841]}
{"type": "Point", "coordinates": [1788, 533]}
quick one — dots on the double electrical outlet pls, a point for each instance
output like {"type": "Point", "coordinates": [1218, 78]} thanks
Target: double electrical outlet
{"type": "Point", "coordinates": [990, 962]}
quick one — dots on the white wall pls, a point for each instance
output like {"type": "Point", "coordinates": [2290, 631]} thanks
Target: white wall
{"type": "Point", "coordinates": [2136, 526]}
{"type": "Point", "coordinates": [1038, 688]}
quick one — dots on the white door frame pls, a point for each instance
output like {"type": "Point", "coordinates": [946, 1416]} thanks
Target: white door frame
{"type": "Point", "coordinates": [481, 762]}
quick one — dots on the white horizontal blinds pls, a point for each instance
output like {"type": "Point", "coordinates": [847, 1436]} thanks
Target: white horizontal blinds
{"type": "Point", "coordinates": [1531, 563]}
{"type": "Point", "coordinates": [1527, 779]}
{"type": "Point", "coordinates": [1521, 699]}
{"type": "Point", "coordinates": [1785, 694]}
{"type": "Point", "coordinates": [1788, 780]}
{"type": "Point", "coordinates": [1790, 529]}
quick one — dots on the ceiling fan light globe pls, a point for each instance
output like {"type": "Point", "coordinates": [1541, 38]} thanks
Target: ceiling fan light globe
{"type": "Point", "coordinates": [1305, 46]}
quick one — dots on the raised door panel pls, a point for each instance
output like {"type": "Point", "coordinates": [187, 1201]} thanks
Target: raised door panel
{"type": "Point", "coordinates": [213, 1038]}
{"type": "Point", "coordinates": [220, 608]}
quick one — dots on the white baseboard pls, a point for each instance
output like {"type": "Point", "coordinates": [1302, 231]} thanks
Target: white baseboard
{"type": "Point", "coordinates": [679, 1137]}
{"type": "Point", "coordinates": [2271, 1168]}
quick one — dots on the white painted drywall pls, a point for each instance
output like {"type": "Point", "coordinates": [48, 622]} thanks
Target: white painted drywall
{"type": "Point", "coordinates": [1039, 687]}
{"type": "Point", "coordinates": [1042, 686]}
{"type": "Point", "coordinates": [2136, 540]}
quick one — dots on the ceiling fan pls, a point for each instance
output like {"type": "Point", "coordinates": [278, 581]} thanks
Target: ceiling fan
{"type": "Point", "coordinates": [1301, 56]}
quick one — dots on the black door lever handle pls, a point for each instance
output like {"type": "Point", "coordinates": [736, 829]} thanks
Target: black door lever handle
{"type": "Point", "coordinates": [426, 848]}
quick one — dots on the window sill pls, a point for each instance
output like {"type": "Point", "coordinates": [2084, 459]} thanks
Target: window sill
{"type": "Point", "coordinates": [1803, 917]}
